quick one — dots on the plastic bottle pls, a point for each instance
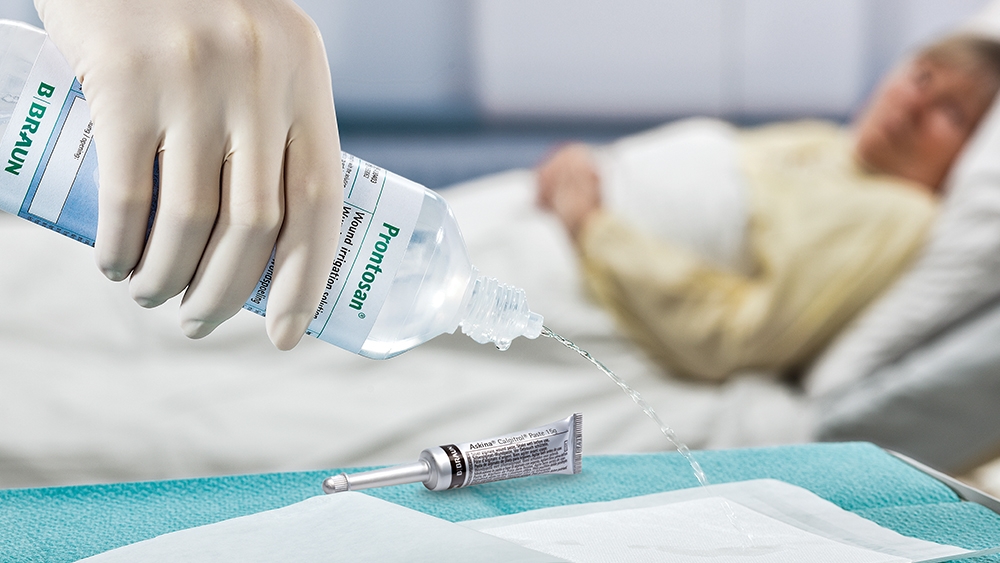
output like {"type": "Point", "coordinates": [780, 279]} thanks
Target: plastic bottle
{"type": "Point", "coordinates": [383, 298]}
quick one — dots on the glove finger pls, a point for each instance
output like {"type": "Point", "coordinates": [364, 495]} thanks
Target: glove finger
{"type": "Point", "coordinates": [250, 214]}
{"type": "Point", "coordinates": [310, 232]}
{"type": "Point", "coordinates": [126, 151]}
{"type": "Point", "coordinates": [190, 175]}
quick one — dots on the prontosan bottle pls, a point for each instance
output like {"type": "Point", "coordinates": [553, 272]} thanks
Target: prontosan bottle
{"type": "Point", "coordinates": [401, 275]}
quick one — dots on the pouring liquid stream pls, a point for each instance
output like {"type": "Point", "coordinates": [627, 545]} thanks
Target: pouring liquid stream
{"type": "Point", "coordinates": [671, 436]}
{"type": "Point", "coordinates": [668, 432]}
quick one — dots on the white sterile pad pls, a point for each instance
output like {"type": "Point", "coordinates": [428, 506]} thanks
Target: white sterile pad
{"type": "Point", "coordinates": [712, 529]}
{"type": "Point", "coordinates": [763, 521]}
{"type": "Point", "coordinates": [341, 527]}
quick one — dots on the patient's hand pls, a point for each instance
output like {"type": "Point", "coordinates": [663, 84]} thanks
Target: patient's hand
{"type": "Point", "coordinates": [569, 186]}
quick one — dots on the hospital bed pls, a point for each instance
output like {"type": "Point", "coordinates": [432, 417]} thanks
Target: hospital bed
{"type": "Point", "coordinates": [94, 389]}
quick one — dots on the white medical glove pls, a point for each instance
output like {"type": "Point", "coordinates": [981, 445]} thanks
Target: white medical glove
{"type": "Point", "coordinates": [234, 97]}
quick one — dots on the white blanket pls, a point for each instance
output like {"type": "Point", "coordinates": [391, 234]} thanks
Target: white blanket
{"type": "Point", "coordinates": [95, 389]}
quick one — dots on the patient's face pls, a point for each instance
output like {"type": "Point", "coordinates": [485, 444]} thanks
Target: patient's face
{"type": "Point", "coordinates": [920, 118]}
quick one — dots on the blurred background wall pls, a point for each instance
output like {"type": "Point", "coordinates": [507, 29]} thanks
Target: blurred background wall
{"type": "Point", "coordinates": [442, 90]}
{"type": "Point", "coordinates": [628, 60]}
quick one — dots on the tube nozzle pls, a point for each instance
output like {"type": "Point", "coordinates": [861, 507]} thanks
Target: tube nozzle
{"type": "Point", "coordinates": [416, 472]}
{"type": "Point", "coordinates": [336, 484]}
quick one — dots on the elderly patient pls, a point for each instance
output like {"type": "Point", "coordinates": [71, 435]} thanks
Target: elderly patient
{"type": "Point", "coordinates": [720, 249]}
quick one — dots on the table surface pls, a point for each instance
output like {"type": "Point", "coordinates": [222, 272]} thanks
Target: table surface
{"type": "Point", "coordinates": [67, 523]}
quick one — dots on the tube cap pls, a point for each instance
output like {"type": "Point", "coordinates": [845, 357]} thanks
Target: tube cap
{"type": "Point", "coordinates": [336, 484]}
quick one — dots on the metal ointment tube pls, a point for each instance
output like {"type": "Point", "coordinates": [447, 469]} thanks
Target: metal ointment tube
{"type": "Point", "coordinates": [553, 448]}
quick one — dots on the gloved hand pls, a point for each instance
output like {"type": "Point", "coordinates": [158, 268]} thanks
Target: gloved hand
{"type": "Point", "coordinates": [234, 98]}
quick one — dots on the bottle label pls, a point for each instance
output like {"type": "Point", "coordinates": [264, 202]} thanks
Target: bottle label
{"type": "Point", "coordinates": [380, 212]}
{"type": "Point", "coordinates": [49, 163]}
{"type": "Point", "coordinates": [50, 177]}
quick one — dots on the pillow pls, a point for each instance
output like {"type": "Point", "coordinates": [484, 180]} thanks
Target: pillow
{"type": "Point", "coordinates": [938, 404]}
{"type": "Point", "coordinates": [957, 273]}
{"type": "Point", "coordinates": [919, 372]}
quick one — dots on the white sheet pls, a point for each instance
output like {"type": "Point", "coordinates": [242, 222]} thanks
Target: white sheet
{"type": "Point", "coordinates": [683, 182]}
{"type": "Point", "coordinates": [95, 389]}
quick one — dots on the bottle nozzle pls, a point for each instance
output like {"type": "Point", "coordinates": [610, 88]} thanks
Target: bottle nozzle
{"type": "Point", "coordinates": [534, 327]}
{"type": "Point", "coordinates": [499, 313]}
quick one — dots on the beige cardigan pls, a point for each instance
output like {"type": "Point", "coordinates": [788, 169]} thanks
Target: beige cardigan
{"type": "Point", "coordinates": [826, 238]}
